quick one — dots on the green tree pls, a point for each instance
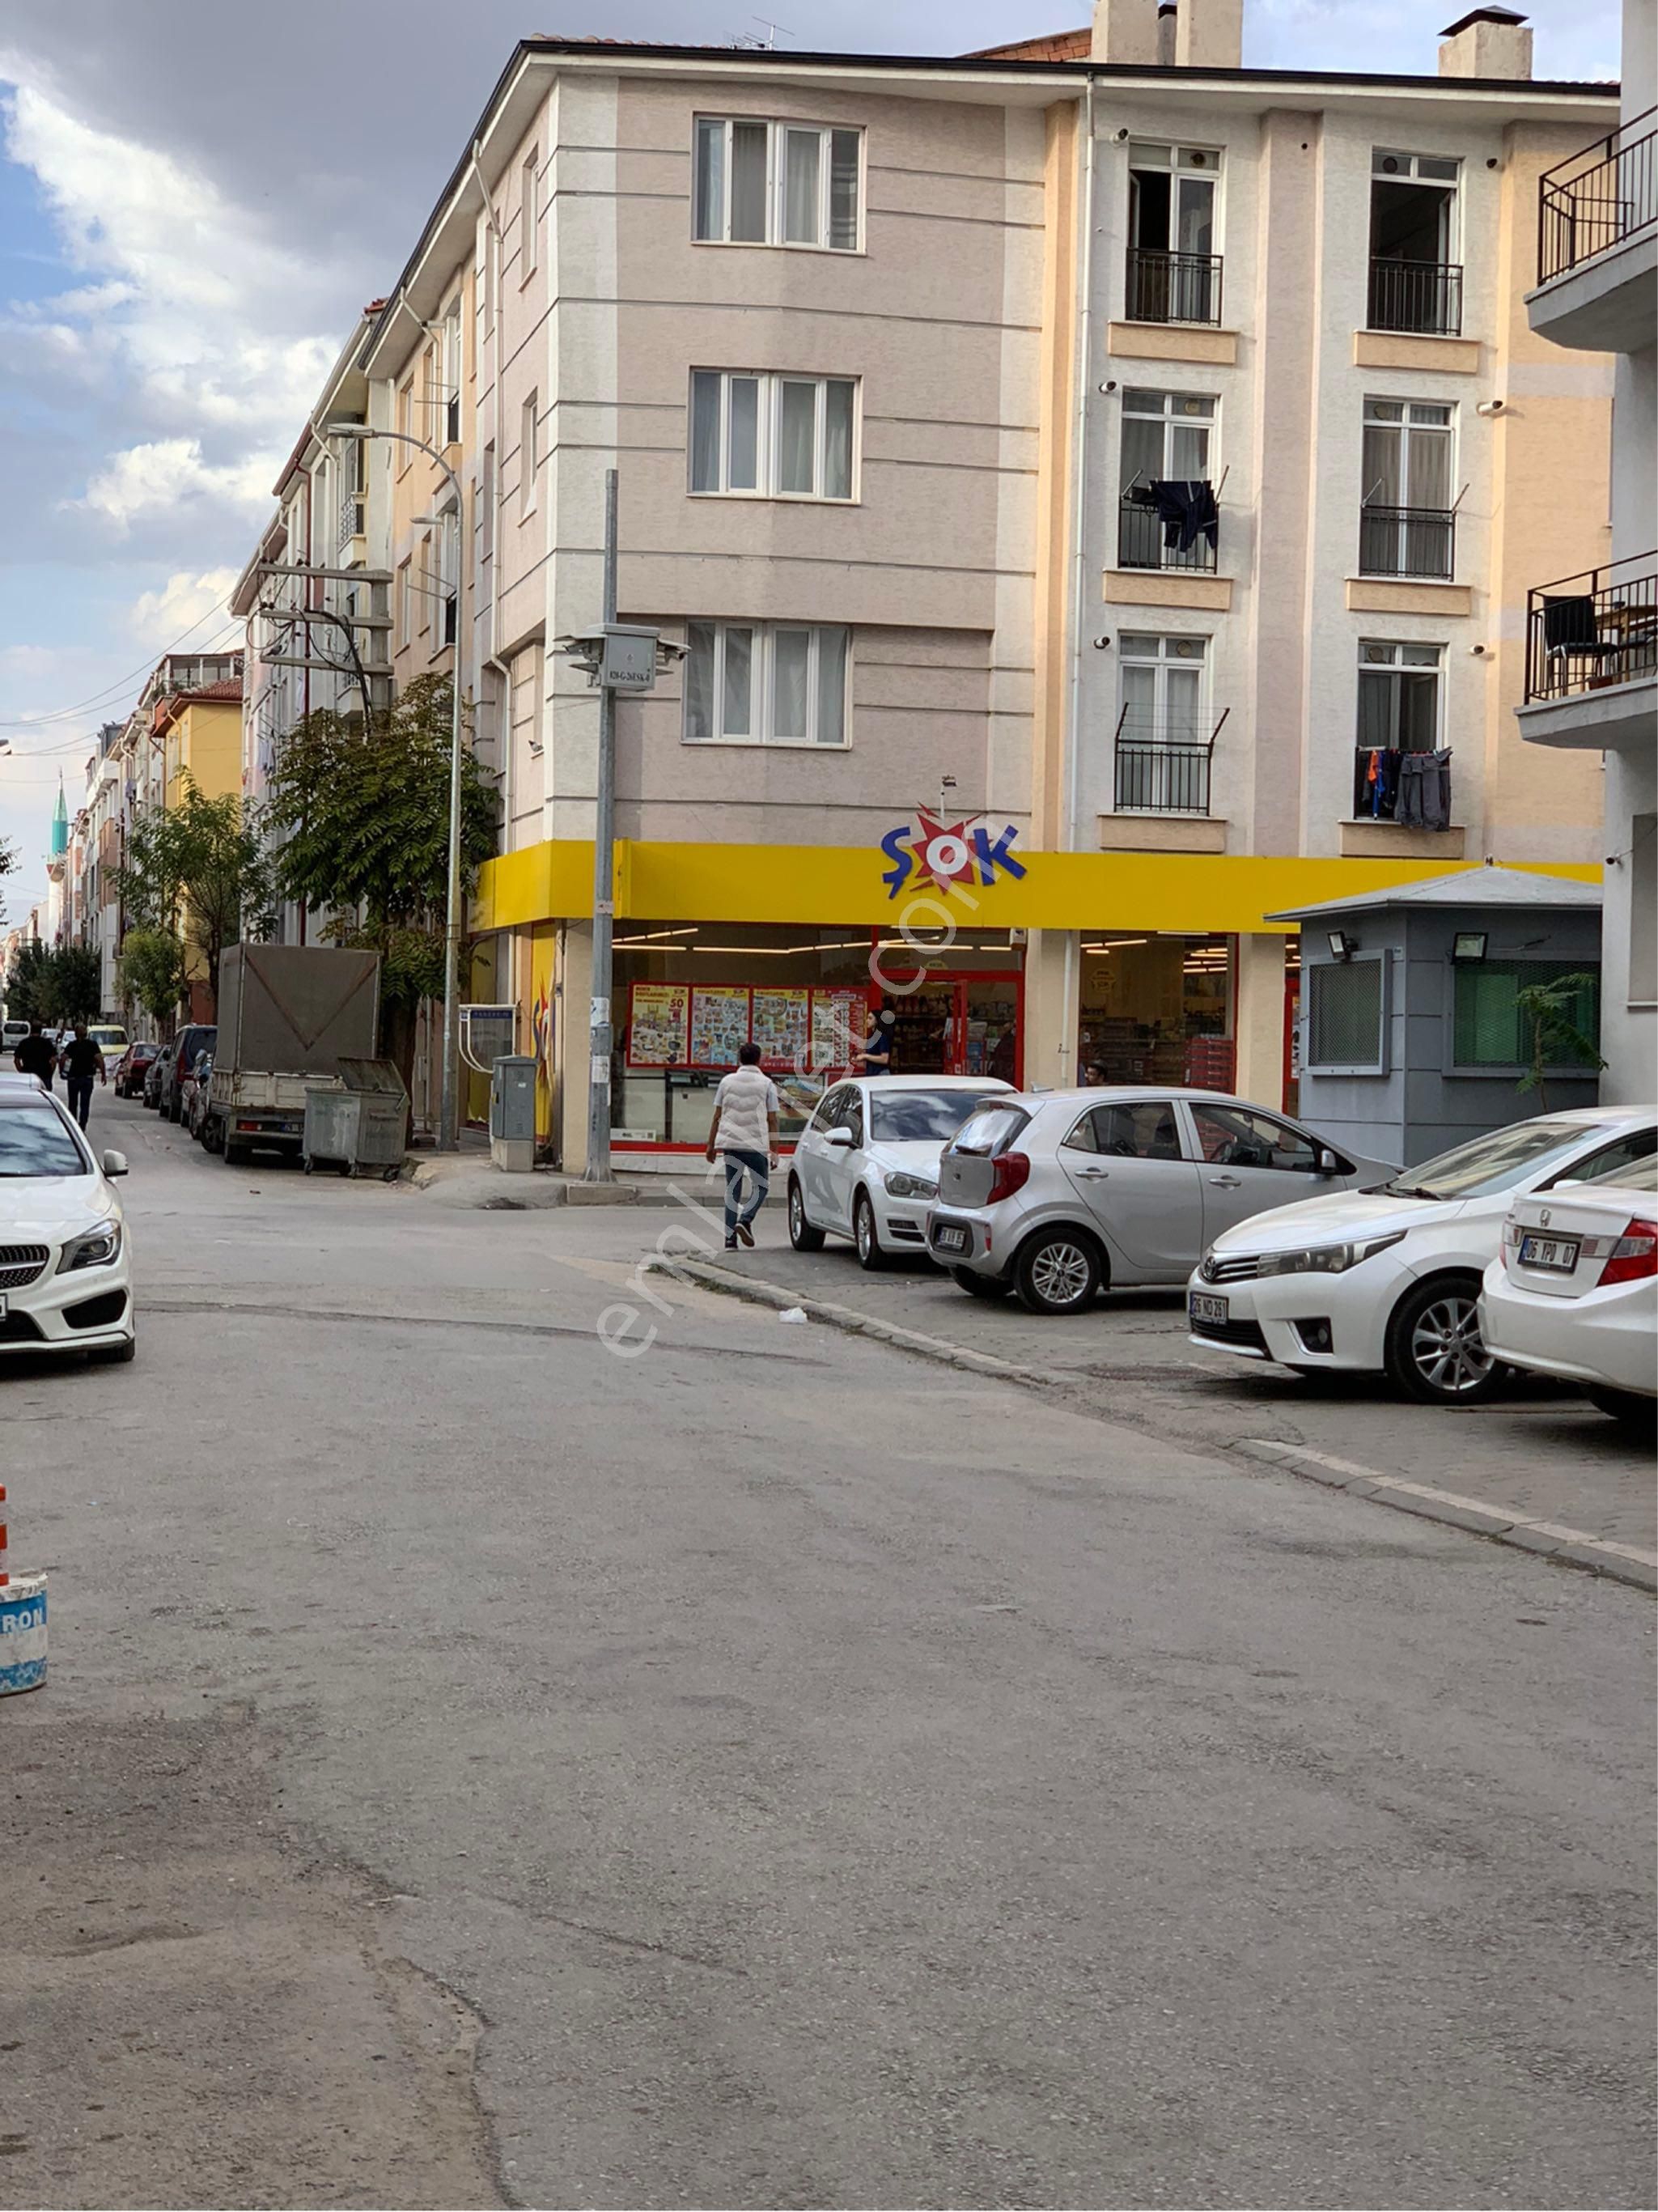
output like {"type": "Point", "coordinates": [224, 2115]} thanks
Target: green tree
{"type": "Point", "coordinates": [1547, 1015]}
{"type": "Point", "coordinates": [151, 971]}
{"type": "Point", "coordinates": [73, 984]}
{"type": "Point", "coordinates": [360, 819]}
{"type": "Point", "coordinates": [197, 871]}
{"type": "Point", "coordinates": [26, 985]}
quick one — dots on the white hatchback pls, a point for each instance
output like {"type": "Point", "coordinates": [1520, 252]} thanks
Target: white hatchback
{"type": "Point", "coordinates": [866, 1164]}
{"type": "Point", "coordinates": [1573, 1291]}
{"type": "Point", "coordinates": [1386, 1281]}
{"type": "Point", "coordinates": [65, 1278]}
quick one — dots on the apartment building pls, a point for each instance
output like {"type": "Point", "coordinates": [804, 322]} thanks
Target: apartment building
{"type": "Point", "coordinates": [1591, 690]}
{"type": "Point", "coordinates": [1090, 484]}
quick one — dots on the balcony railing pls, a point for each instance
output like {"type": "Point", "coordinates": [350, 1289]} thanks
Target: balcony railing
{"type": "Point", "coordinates": [1172, 288]}
{"type": "Point", "coordinates": [1599, 198]}
{"type": "Point", "coordinates": [1421, 296]}
{"type": "Point", "coordinates": [1407, 541]}
{"type": "Point", "coordinates": [1143, 541]}
{"type": "Point", "coordinates": [1586, 633]}
{"type": "Point", "coordinates": [1163, 767]}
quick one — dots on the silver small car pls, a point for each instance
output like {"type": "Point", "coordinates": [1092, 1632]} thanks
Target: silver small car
{"type": "Point", "coordinates": [1059, 1194]}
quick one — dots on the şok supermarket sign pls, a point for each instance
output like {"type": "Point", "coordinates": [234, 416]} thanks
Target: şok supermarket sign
{"type": "Point", "coordinates": [945, 854]}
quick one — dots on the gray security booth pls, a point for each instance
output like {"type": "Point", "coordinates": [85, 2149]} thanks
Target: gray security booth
{"type": "Point", "coordinates": [1412, 1036]}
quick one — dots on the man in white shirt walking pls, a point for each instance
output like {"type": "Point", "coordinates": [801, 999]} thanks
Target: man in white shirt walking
{"type": "Point", "coordinates": [745, 1131]}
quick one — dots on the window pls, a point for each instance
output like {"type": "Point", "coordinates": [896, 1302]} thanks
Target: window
{"type": "Point", "coordinates": [447, 597]}
{"type": "Point", "coordinates": [35, 1141]}
{"type": "Point", "coordinates": [529, 455]}
{"type": "Point", "coordinates": [1174, 271]}
{"type": "Point", "coordinates": [1161, 690]}
{"type": "Point", "coordinates": [828, 1110]}
{"type": "Point", "coordinates": [778, 437]}
{"type": "Point", "coordinates": [1166, 438]}
{"type": "Point", "coordinates": [423, 585]}
{"type": "Point", "coordinates": [1239, 1137]}
{"type": "Point", "coordinates": [760, 684]}
{"type": "Point", "coordinates": [1615, 1159]}
{"type": "Point", "coordinates": [1416, 282]}
{"type": "Point", "coordinates": [1398, 697]}
{"type": "Point", "coordinates": [1128, 1133]}
{"type": "Point", "coordinates": [1491, 1029]}
{"type": "Point", "coordinates": [449, 395]}
{"type": "Point", "coordinates": [1344, 1014]}
{"type": "Point", "coordinates": [405, 413]}
{"type": "Point", "coordinates": [405, 602]}
{"type": "Point", "coordinates": [529, 228]}
{"type": "Point", "coordinates": [777, 184]}
{"type": "Point", "coordinates": [1406, 523]}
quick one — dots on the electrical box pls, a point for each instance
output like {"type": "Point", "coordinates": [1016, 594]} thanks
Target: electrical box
{"type": "Point", "coordinates": [513, 1113]}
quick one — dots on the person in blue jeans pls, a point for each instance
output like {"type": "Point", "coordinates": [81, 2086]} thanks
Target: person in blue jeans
{"type": "Point", "coordinates": [744, 1133]}
{"type": "Point", "coordinates": [80, 1061]}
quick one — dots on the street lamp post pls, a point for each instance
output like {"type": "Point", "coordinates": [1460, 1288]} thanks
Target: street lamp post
{"type": "Point", "coordinates": [449, 1108]}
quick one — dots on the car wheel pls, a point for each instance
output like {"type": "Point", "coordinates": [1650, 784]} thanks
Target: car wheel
{"type": "Point", "coordinates": [802, 1234]}
{"type": "Point", "coordinates": [1435, 1352]}
{"type": "Point", "coordinates": [980, 1286]}
{"type": "Point", "coordinates": [865, 1240]}
{"type": "Point", "coordinates": [1628, 1408]}
{"type": "Point", "coordinates": [115, 1355]}
{"type": "Point", "coordinates": [1057, 1272]}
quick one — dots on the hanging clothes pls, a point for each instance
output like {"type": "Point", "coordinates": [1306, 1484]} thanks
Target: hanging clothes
{"type": "Point", "coordinates": [1424, 790]}
{"type": "Point", "coordinates": [1186, 507]}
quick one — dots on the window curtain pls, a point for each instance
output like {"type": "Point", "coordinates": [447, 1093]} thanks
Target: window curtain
{"type": "Point", "coordinates": [837, 441]}
{"type": "Point", "coordinates": [699, 681]}
{"type": "Point", "coordinates": [705, 431]}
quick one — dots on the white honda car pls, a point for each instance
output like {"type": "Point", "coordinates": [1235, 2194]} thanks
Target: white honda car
{"type": "Point", "coordinates": [66, 1280]}
{"type": "Point", "coordinates": [866, 1164]}
{"type": "Point", "coordinates": [1573, 1291]}
{"type": "Point", "coordinates": [1386, 1281]}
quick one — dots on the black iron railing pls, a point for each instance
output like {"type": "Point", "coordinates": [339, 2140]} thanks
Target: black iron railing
{"type": "Point", "coordinates": [1172, 288]}
{"type": "Point", "coordinates": [1162, 766]}
{"type": "Point", "coordinates": [1599, 198]}
{"type": "Point", "coordinates": [1586, 633]}
{"type": "Point", "coordinates": [1142, 541]}
{"type": "Point", "coordinates": [1421, 296]}
{"type": "Point", "coordinates": [1407, 541]}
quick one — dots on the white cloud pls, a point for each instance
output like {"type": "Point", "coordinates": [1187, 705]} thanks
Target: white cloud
{"type": "Point", "coordinates": [156, 479]}
{"type": "Point", "coordinates": [185, 604]}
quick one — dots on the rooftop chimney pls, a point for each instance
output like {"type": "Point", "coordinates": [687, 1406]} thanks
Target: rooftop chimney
{"type": "Point", "coordinates": [1167, 12]}
{"type": "Point", "coordinates": [1491, 42]}
{"type": "Point", "coordinates": [1209, 34]}
{"type": "Point", "coordinates": [1125, 31]}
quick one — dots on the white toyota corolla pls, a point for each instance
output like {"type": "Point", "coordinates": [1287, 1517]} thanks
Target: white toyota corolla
{"type": "Point", "coordinates": [65, 1283]}
{"type": "Point", "coordinates": [1388, 1281]}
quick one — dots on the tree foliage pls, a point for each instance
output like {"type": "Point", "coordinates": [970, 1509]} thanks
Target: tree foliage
{"type": "Point", "coordinates": [26, 995]}
{"type": "Point", "coordinates": [54, 984]}
{"type": "Point", "coordinates": [198, 870]}
{"type": "Point", "coordinates": [151, 971]}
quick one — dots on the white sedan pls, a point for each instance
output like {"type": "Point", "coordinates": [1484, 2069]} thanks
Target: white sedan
{"type": "Point", "coordinates": [65, 1281]}
{"type": "Point", "coordinates": [1573, 1291]}
{"type": "Point", "coordinates": [867, 1165]}
{"type": "Point", "coordinates": [1388, 1281]}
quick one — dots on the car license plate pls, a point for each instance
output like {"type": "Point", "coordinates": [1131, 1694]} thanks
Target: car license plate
{"type": "Point", "coordinates": [1202, 1307]}
{"type": "Point", "coordinates": [1557, 1255]}
{"type": "Point", "coordinates": [949, 1240]}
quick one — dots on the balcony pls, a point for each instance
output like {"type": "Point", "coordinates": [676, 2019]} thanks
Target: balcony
{"type": "Point", "coordinates": [1597, 243]}
{"type": "Point", "coordinates": [1423, 298]}
{"type": "Point", "coordinates": [1416, 543]}
{"type": "Point", "coordinates": [1146, 539]}
{"type": "Point", "coordinates": [1172, 288]}
{"type": "Point", "coordinates": [1592, 658]}
{"type": "Point", "coordinates": [1162, 765]}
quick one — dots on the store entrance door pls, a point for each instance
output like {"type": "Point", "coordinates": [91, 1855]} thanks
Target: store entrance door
{"type": "Point", "coordinates": [960, 1025]}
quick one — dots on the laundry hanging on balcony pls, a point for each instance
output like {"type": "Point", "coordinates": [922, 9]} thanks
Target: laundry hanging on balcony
{"type": "Point", "coordinates": [1185, 506]}
{"type": "Point", "coordinates": [1424, 790]}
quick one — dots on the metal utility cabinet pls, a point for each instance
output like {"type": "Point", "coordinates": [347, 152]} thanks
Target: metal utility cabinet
{"type": "Point", "coordinates": [359, 1121]}
{"type": "Point", "coordinates": [513, 1113]}
{"type": "Point", "coordinates": [288, 1014]}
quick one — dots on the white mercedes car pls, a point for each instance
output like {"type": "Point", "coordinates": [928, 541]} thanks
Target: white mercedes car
{"type": "Point", "coordinates": [1574, 1290]}
{"type": "Point", "coordinates": [1386, 1281]}
{"type": "Point", "coordinates": [866, 1164]}
{"type": "Point", "coordinates": [66, 1280]}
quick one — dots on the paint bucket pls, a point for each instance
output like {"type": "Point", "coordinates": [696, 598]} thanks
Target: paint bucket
{"type": "Point", "coordinates": [22, 1634]}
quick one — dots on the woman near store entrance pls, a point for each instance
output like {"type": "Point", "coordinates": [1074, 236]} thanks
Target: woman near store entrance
{"type": "Point", "coordinates": [874, 1055]}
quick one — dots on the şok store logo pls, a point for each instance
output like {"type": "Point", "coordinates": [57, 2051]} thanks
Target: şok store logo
{"type": "Point", "coordinates": [946, 854]}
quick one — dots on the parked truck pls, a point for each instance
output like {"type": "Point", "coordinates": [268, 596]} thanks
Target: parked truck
{"type": "Point", "coordinates": [288, 1015]}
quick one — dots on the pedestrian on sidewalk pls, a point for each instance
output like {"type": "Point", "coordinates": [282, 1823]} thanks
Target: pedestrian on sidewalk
{"type": "Point", "coordinates": [81, 1058]}
{"type": "Point", "coordinates": [744, 1133]}
{"type": "Point", "coordinates": [34, 1055]}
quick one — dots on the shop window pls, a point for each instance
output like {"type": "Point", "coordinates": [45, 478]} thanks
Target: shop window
{"type": "Point", "coordinates": [754, 683]}
{"type": "Point", "coordinates": [1344, 1016]}
{"type": "Point", "coordinates": [771, 437]}
{"type": "Point", "coordinates": [758, 183]}
{"type": "Point", "coordinates": [1491, 1029]}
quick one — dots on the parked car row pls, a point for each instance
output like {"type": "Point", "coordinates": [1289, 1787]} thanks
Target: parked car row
{"type": "Point", "coordinates": [161, 1080]}
{"type": "Point", "coordinates": [1292, 1248]}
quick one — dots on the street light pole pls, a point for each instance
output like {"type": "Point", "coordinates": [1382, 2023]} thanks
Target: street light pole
{"type": "Point", "coordinates": [449, 1107]}
{"type": "Point", "coordinates": [598, 1169]}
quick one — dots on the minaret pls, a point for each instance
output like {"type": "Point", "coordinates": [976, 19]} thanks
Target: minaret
{"type": "Point", "coordinates": [60, 822]}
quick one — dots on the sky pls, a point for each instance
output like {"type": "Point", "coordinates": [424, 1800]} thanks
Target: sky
{"type": "Point", "coordinates": [197, 197]}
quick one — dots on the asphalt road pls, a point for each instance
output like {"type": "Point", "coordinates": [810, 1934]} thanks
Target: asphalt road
{"type": "Point", "coordinates": [480, 1767]}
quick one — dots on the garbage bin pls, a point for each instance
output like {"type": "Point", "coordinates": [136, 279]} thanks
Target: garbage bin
{"type": "Point", "coordinates": [361, 1121]}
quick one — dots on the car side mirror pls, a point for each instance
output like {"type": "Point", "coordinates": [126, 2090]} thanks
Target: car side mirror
{"type": "Point", "coordinates": [841, 1137]}
{"type": "Point", "coordinates": [1328, 1162]}
{"type": "Point", "coordinates": [115, 1163]}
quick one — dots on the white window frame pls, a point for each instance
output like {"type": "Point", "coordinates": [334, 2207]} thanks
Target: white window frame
{"type": "Point", "coordinates": [777, 181]}
{"type": "Point", "coordinates": [768, 438]}
{"type": "Point", "coordinates": [762, 692]}
{"type": "Point", "coordinates": [1174, 650]}
{"type": "Point", "coordinates": [529, 454]}
{"type": "Point", "coordinates": [1171, 402]}
{"type": "Point", "coordinates": [1139, 147]}
{"type": "Point", "coordinates": [528, 247]}
{"type": "Point", "coordinates": [1396, 648]}
{"type": "Point", "coordinates": [1405, 426]}
{"type": "Point", "coordinates": [449, 371]}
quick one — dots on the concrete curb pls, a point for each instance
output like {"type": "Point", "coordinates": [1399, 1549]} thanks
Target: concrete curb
{"type": "Point", "coordinates": [470, 1182]}
{"type": "Point", "coordinates": [1573, 1548]}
